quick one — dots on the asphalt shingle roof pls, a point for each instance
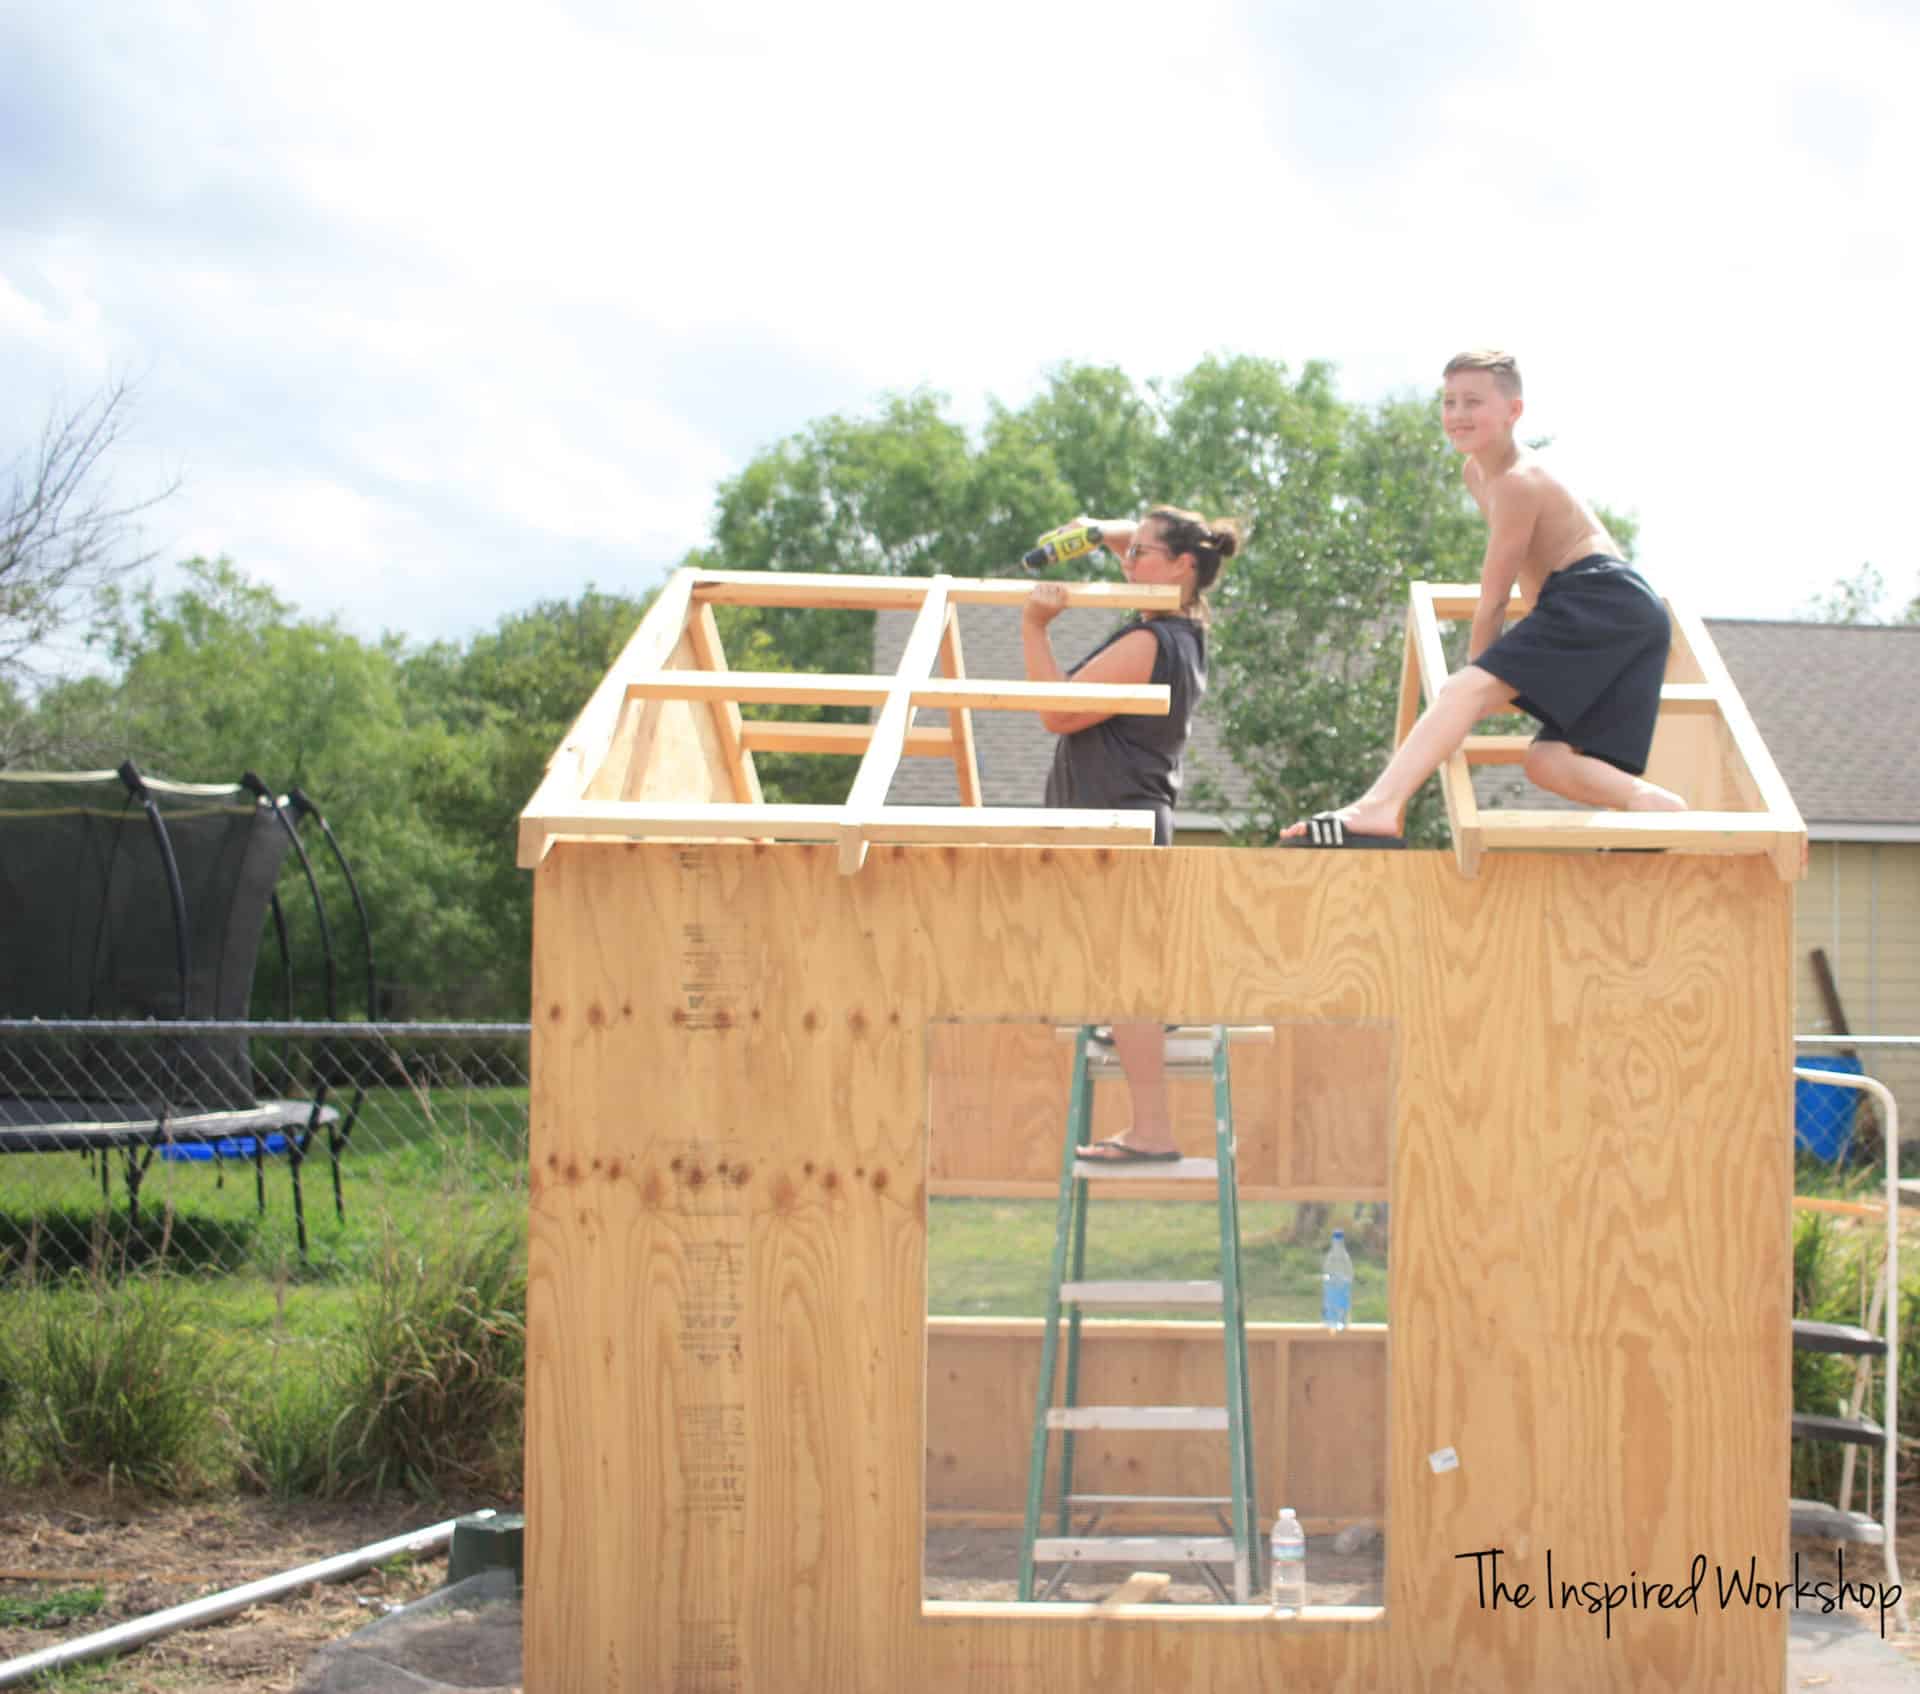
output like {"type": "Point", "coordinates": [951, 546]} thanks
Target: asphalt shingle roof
{"type": "Point", "coordinates": [1838, 706]}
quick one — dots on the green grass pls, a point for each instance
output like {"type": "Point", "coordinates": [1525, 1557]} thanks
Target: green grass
{"type": "Point", "coordinates": [112, 1384]}
{"type": "Point", "coordinates": [50, 1611]}
{"type": "Point", "coordinates": [992, 1258]}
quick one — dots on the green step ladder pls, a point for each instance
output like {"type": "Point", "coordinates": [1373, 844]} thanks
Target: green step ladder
{"type": "Point", "coordinates": [1188, 1051]}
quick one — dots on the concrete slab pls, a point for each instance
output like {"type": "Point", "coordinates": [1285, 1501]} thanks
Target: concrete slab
{"type": "Point", "coordinates": [1841, 1655]}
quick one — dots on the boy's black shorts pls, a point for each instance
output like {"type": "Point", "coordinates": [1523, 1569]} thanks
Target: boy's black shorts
{"type": "Point", "coordinates": [1589, 659]}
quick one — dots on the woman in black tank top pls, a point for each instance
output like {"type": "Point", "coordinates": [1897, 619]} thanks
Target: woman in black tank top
{"type": "Point", "coordinates": [1106, 761]}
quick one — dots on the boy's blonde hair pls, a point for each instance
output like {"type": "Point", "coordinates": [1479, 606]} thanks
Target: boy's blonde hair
{"type": "Point", "coordinates": [1502, 367]}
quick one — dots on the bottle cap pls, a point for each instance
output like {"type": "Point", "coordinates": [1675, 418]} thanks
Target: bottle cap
{"type": "Point", "coordinates": [1339, 1235]}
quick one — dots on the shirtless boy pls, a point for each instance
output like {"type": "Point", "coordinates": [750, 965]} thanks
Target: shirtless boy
{"type": "Point", "coordinates": [1587, 660]}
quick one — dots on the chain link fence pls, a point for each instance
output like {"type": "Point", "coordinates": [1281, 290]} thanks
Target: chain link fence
{"type": "Point", "coordinates": [281, 1147]}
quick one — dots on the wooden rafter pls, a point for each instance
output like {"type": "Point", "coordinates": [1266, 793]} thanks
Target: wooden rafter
{"type": "Point", "coordinates": [663, 750]}
{"type": "Point", "coordinates": [966, 766]}
{"type": "Point", "coordinates": [1714, 751]}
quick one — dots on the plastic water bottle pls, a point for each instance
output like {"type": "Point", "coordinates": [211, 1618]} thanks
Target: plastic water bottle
{"type": "Point", "coordinates": [1336, 1284]}
{"type": "Point", "coordinates": [1288, 1565]}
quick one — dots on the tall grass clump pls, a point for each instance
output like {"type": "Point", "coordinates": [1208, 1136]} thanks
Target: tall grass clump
{"type": "Point", "coordinates": [432, 1369]}
{"type": "Point", "coordinates": [113, 1383]}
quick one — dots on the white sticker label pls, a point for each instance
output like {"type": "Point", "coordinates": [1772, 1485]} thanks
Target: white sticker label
{"type": "Point", "coordinates": [1445, 1459]}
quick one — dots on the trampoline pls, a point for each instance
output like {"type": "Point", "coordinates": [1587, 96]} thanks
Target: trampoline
{"type": "Point", "coordinates": [134, 910]}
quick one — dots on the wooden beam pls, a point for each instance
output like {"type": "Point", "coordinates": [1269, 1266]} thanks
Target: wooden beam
{"type": "Point", "coordinates": [882, 759]}
{"type": "Point", "coordinates": [1409, 711]}
{"type": "Point", "coordinates": [584, 746]}
{"type": "Point", "coordinates": [1790, 850]}
{"type": "Point", "coordinates": [1017, 825]}
{"type": "Point", "coordinates": [1496, 749]}
{"type": "Point", "coordinates": [810, 688]}
{"type": "Point", "coordinates": [849, 739]}
{"type": "Point", "coordinates": [966, 766]}
{"type": "Point", "coordinates": [703, 630]}
{"type": "Point", "coordinates": [1456, 782]}
{"type": "Point", "coordinates": [1456, 602]}
{"type": "Point", "coordinates": [823, 589]}
{"type": "Point", "coordinates": [1696, 832]}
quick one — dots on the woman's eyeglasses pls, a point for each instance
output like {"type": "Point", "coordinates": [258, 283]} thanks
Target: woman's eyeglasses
{"type": "Point", "coordinates": [1140, 547]}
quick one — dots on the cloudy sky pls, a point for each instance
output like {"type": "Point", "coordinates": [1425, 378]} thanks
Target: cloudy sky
{"type": "Point", "coordinates": [438, 309]}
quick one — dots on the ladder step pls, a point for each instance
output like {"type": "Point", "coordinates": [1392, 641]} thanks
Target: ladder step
{"type": "Point", "coordinates": [1829, 1523]}
{"type": "Point", "coordinates": [1838, 1338]}
{"type": "Point", "coordinates": [1149, 1170]}
{"type": "Point", "coordinates": [1149, 1499]}
{"type": "Point", "coordinates": [1186, 1054]}
{"type": "Point", "coordinates": [1862, 1432]}
{"type": "Point", "coordinates": [1137, 1417]}
{"type": "Point", "coordinates": [1141, 1293]}
{"type": "Point", "coordinates": [1135, 1549]}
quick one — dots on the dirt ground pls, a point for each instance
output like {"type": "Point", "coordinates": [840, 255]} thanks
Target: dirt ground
{"type": "Point", "coordinates": [149, 1556]}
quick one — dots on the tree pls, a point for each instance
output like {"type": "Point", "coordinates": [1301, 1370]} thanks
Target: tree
{"type": "Point", "coordinates": [1860, 598]}
{"type": "Point", "coordinates": [63, 537]}
{"type": "Point", "coordinates": [507, 699]}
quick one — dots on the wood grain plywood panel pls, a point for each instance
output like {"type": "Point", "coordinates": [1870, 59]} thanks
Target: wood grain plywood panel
{"type": "Point", "coordinates": [1589, 1280]}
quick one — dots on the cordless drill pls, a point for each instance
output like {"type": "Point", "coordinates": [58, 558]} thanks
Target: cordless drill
{"type": "Point", "coordinates": [1069, 541]}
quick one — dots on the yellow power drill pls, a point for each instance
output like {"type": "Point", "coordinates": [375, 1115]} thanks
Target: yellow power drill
{"type": "Point", "coordinates": [1057, 546]}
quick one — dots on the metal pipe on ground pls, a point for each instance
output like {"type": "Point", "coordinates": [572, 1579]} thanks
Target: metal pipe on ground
{"type": "Point", "coordinates": [139, 1631]}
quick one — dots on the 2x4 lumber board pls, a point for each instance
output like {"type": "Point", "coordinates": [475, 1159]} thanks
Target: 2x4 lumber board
{"type": "Point", "coordinates": [703, 630]}
{"type": "Point", "coordinates": [823, 590]}
{"type": "Point", "coordinates": [966, 764]}
{"type": "Point", "coordinates": [1007, 825]}
{"type": "Point", "coordinates": [1789, 853]}
{"type": "Point", "coordinates": [882, 759]}
{"type": "Point", "coordinates": [1409, 711]}
{"type": "Point", "coordinates": [1456, 602]}
{"type": "Point", "coordinates": [584, 746]}
{"type": "Point", "coordinates": [1456, 782]}
{"type": "Point", "coordinates": [849, 739]}
{"type": "Point", "coordinates": [1697, 832]}
{"type": "Point", "coordinates": [1496, 749]}
{"type": "Point", "coordinates": [808, 688]}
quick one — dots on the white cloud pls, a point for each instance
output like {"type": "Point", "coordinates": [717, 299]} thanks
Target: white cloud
{"type": "Point", "coordinates": [442, 308]}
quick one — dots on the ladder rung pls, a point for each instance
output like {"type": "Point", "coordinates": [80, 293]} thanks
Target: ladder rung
{"type": "Point", "coordinates": [1137, 1417]}
{"type": "Point", "coordinates": [1862, 1432]}
{"type": "Point", "coordinates": [1142, 1293]}
{"type": "Point", "coordinates": [1184, 1054]}
{"type": "Point", "coordinates": [1829, 1523]}
{"type": "Point", "coordinates": [1812, 1337]}
{"type": "Point", "coordinates": [1149, 1499]}
{"type": "Point", "coordinates": [1169, 1170]}
{"type": "Point", "coordinates": [1136, 1549]}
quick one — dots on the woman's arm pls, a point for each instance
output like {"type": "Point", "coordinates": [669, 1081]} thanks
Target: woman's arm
{"type": "Point", "coordinates": [1128, 662]}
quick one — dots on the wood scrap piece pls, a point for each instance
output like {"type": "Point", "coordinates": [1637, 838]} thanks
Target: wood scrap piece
{"type": "Point", "coordinates": [1140, 1589]}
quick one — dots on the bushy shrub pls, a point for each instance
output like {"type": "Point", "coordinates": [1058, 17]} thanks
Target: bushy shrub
{"type": "Point", "coordinates": [114, 1383]}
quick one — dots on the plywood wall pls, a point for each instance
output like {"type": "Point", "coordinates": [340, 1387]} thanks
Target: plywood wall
{"type": "Point", "coordinates": [1589, 1282]}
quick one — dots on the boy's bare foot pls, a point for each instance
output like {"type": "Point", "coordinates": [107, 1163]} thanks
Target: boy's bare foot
{"type": "Point", "coordinates": [1361, 818]}
{"type": "Point", "coordinates": [1651, 797]}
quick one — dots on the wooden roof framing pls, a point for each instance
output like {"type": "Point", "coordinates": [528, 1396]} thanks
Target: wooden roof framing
{"type": "Point", "coordinates": [1705, 748]}
{"type": "Point", "coordinates": [662, 748]}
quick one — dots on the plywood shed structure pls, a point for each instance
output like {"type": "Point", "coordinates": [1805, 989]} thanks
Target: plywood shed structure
{"type": "Point", "coordinates": [1570, 1073]}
